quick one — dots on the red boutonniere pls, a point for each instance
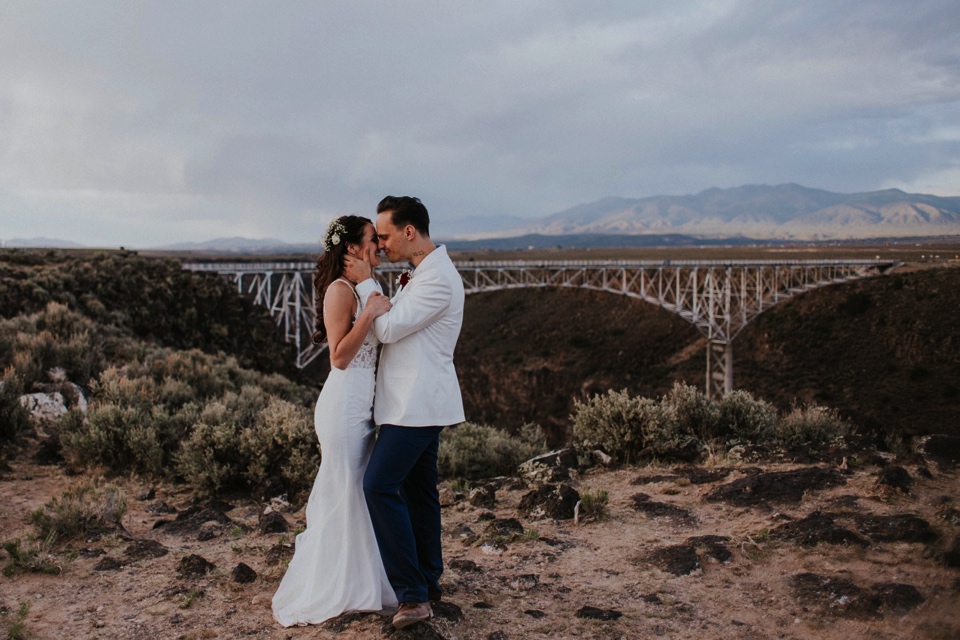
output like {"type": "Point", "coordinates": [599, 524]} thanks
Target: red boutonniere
{"type": "Point", "coordinates": [404, 277]}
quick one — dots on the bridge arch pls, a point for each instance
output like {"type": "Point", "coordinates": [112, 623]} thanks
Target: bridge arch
{"type": "Point", "coordinates": [718, 297]}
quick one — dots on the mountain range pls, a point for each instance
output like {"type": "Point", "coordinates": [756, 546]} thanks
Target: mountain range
{"type": "Point", "coordinates": [781, 212]}
{"type": "Point", "coordinates": [786, 212]}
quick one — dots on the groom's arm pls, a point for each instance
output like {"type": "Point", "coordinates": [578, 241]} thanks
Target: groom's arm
{"type": "Point", "coordinates": [420, 305]}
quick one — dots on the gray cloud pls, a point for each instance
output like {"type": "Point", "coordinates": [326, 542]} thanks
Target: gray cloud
{"type": "Point", "coordinates": [141, 123]}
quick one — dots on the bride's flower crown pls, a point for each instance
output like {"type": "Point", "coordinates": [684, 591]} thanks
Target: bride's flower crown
{"type": "Point", "coordinates": [332, 237]}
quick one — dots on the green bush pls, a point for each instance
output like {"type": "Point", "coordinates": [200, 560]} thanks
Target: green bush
{"type": "Point", "coordinates": [612, 423]}
{"type": "Point", "coordinates": [474, 451]}
{"type": "Point", "coordinates": [251, 441]}
{"type": "Point", "coordinates": [78, 513]}
{"type": "Point", "coordinates": [695, 414]}
{"type": "Point", "coordinates": [746, 419]}
{"type": "Point", "coordinates": [812, 425]}
{"type": "Point", "coordinates": [14, 418]}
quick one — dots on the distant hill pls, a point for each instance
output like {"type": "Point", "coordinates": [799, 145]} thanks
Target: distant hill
{"type": "Point", "coordinates": [46, 243]}
{"type": "Point", "coordinates": [786, 212]}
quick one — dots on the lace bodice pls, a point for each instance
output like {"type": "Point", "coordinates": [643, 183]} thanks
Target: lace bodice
{"type": "Point", "coordinates": [366, 357]}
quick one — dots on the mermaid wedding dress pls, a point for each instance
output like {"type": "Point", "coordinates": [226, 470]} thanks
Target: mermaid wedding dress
{"type": "Point", "coordinates": [336, 566]}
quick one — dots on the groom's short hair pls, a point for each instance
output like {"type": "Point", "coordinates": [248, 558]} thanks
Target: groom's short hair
{"type": "Point", "coordinates": [406, 210]}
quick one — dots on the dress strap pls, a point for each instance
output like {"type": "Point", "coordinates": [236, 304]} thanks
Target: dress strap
{"type": "Point", "coordinates": [355, 294]}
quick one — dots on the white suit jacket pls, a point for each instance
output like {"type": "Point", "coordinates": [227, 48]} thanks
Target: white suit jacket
{"type": "Point", "coordinates": [417, 384]}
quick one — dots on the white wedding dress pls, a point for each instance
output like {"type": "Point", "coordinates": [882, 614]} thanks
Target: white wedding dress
{"type": "Point", "coordinates": [336, 566]}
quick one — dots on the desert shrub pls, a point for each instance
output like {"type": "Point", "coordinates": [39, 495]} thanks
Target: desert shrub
{"type": "Point", "coordinates": [593, 506]}
{"type": "Point", "coordinates": [56, 337]}
{"type": "Point", "coordinates": [474, 451]}
{"type": "Point", "coordinates": [612, 423]}
{"type": "Point", "coordinates": [79, 512]}
{"type": "Point", "coordinates": [812, 425]}
{"type": "Point", "coordinates": [744, 418]}
{"type": "Point", "coordinates": [14, 418]}
{"type": "Point", "coordinates": [695, 414]}
{"type": "Point", "coordinates": [250, 441]}
{"type": "Point", "coordinates": [32, 556]}
{"type": "Point", "coordinates": [152, 299]}
{"type": "Point", "coordinates": [121, 439]}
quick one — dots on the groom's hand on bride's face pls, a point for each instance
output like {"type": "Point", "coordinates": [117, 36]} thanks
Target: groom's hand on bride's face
{"type": "Point", "coordinates": [356, 270]}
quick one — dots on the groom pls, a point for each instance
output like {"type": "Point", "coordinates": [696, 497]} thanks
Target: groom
{"type": "Point", "coordinates": [417, 395]}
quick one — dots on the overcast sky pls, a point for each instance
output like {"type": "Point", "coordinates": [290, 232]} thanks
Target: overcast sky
{"type": "Point", "coordinates": [145, 123]}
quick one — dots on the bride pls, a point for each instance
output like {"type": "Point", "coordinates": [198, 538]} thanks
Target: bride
{"type": "Point", "coordinates": [336, 566]}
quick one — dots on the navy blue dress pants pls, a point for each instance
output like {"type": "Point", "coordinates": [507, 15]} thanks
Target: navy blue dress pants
{"type": "Point", "coordinates": [400, 486]}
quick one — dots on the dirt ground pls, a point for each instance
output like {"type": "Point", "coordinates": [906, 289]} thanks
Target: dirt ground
{"type": "Point", "coordinates": [538, 583]}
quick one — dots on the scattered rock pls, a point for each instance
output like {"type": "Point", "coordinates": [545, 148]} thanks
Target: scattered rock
{"type": "Point", "coordinates": [149, 494]}
{"type": "Point", "coordinates": [896, 477]}
{"type": "Point", "coordinates": [159, 507]}
{"type": "Point", "coordinates": [44, 408]}
{"type": "Point", "coordinates": [550, 467]}
{"type": "Point", "coordinates": [447, 495]}
{"type": "Point", "coordinates": [780, 487]}
{"type": "Point", "coordinates": [90, 553]}
{"type": "Point", "coordinates": [243, 574]}
{"type": "Point", "coordinates": [209, 531]}
{"type": "Point", "coordinates": [464, 565]}
{"type": "Point", "coordinates": [841, 597]}
{"type": "Point", "coordinates": [109, 563]}
{"type": "Point", "coordinates": [524, 582]}
{"type": "Point", "coordinates": [678, 559]}
{"type": "Point", "coordinates": [643, 504]}
{"type": "Point", "coordinates": [465, 534]}
{"type": "Point", "coordinates": [482, 605]}
{"type": "Point", "coordinates": [272, 522]}
{"type": "Point", "coordinates": [484, 497]}
{"type": "Point", "coordinates": [504, 528]}
{"type": "Point", "coordinates": [699, 475]}
{"type": "Point", "coordinates": [815, 529]}
{"type": "Point", "coordinates": [550, 501]}
{"type": "Point", "coordinates": [711, 546]}
{"type": "Point", "coordinates": [278, 553]}
{"type": "Point", "coordinates": [941, 449]}
{"type": "Point", "coordinates": [189, 521]}
{"type": "Point", "coordinates": [142, 549]}
{"type": "Point", "coordinates": [486, 516]}
{"type": "Point", "coordinates": [949, 514]}
{"type": "Point", "coordinates": [447, 611]}
{"type": "Point", "coordinates": [896, 528]}
{"type": "Point", "coordinates": [194, 566]}
{"type": "Point", "coordinates": [536, 614]}
{"type": "Point", "coordinates": [593, 613]}
{"type": "Point", "coordinates": [498, 635]}
{"type": "Point", "coordinates": [951, 557]}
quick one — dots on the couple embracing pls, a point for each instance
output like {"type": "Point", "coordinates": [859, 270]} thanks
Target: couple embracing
{"type": "Point", "coordinates": [372, 541]}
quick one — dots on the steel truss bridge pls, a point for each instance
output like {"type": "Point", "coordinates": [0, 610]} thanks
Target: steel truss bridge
{"type": "Point", "coordinates": [718, 297]}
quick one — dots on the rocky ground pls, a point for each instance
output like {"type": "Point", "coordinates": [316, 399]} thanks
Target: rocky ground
{"type": "Point", "coordinates": [837, 545]}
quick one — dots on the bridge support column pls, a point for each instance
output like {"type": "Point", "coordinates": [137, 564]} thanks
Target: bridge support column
{"type": "Point", "coordinates": [719, 369]}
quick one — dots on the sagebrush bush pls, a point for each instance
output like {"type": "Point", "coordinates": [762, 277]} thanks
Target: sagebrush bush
{"type": "Point", "coordinates": [744, 418]}
{"type": "Point", "coordinates": [79, 512]}
{"type": "Point", "coordinates": [695, 414]}
{"type": "Point", "coordinates": [55, 337]}
{"type": "Point", "coordinates": [251, 441]}
{"type": "Point", "coordinates": [119, 439]}
{"type": "Point", "coordinates": [475, 451]}
{"type": "Point", "coordinates": [612, 423]}
{"type": "Point", "coordinates": [593, 505]}
{"type": "Point", "coordinates": [14, 418]}
{"type": "Point", "coordinates": [812, 425]}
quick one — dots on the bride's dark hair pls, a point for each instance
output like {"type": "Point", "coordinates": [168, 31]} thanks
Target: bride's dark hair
{"type": "Point", "coordinates": [341, 232]}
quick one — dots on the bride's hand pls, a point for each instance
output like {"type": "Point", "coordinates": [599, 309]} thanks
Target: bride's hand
{"type": "Point", "coordinates": [377, 304]}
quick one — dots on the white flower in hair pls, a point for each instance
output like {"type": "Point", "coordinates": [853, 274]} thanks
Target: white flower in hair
{"type": "Point", "coordinates": [332, 237]}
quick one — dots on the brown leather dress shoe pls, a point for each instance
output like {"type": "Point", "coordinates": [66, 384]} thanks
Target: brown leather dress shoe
{"type": "Point", "coordinates": [411, 613]}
